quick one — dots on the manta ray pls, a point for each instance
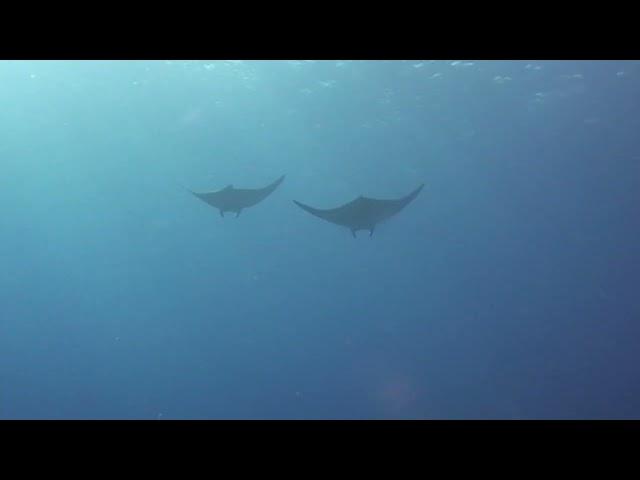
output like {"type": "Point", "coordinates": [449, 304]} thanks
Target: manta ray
{"type": "Point", "coordinates": [231, 199]}
{"type": "Point", "coordinates": [362, 213]}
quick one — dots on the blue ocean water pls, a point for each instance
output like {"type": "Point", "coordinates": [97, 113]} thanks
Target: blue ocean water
{"type": "Point", "coordinates": [507, 289]}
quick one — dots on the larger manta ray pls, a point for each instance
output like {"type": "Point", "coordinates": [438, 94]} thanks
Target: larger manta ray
{"type": "Point", "coordinates": [231, 199]}
{"type": "Point", "coordinates": [362, 213]}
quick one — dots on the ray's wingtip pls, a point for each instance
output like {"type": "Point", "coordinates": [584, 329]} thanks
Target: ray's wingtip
{"type": "Point", "coordinates": [411, 196]}
{"type": "Point", "coordinates": [184, 187]}
{"type": "Point", "coordinates": [304, 207]}
{"type": "Point", "coordinates": [278, 181]}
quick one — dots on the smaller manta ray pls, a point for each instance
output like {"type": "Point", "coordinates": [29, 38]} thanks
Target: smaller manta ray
{"type": "Point", "coordinates": [362, 213]}
{"type": "Point", "coordinates": [231, 199]}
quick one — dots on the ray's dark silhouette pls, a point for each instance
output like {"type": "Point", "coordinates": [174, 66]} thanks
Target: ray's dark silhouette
{"type": "Point", "coordinates": [363, 213]}
{"type": "Point", "coordinates": [231, 199]}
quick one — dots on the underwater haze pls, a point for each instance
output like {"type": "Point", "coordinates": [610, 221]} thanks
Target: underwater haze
{"type": "Point", "coordinates": [507, 289]}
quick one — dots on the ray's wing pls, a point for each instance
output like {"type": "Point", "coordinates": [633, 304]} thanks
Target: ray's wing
{"type": "Point", "coordinates": [250, 197]}
{"type": "Point", "coordinates": [207, 197]}
{"type": "Point", "coordinates": [387, 208]}
{"type": "Point", "coordinates": [263, 193]}
{"type": "Point", "coordinates": [332, 215]}
{"type": "Point", "coordinates": [409, 198]}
